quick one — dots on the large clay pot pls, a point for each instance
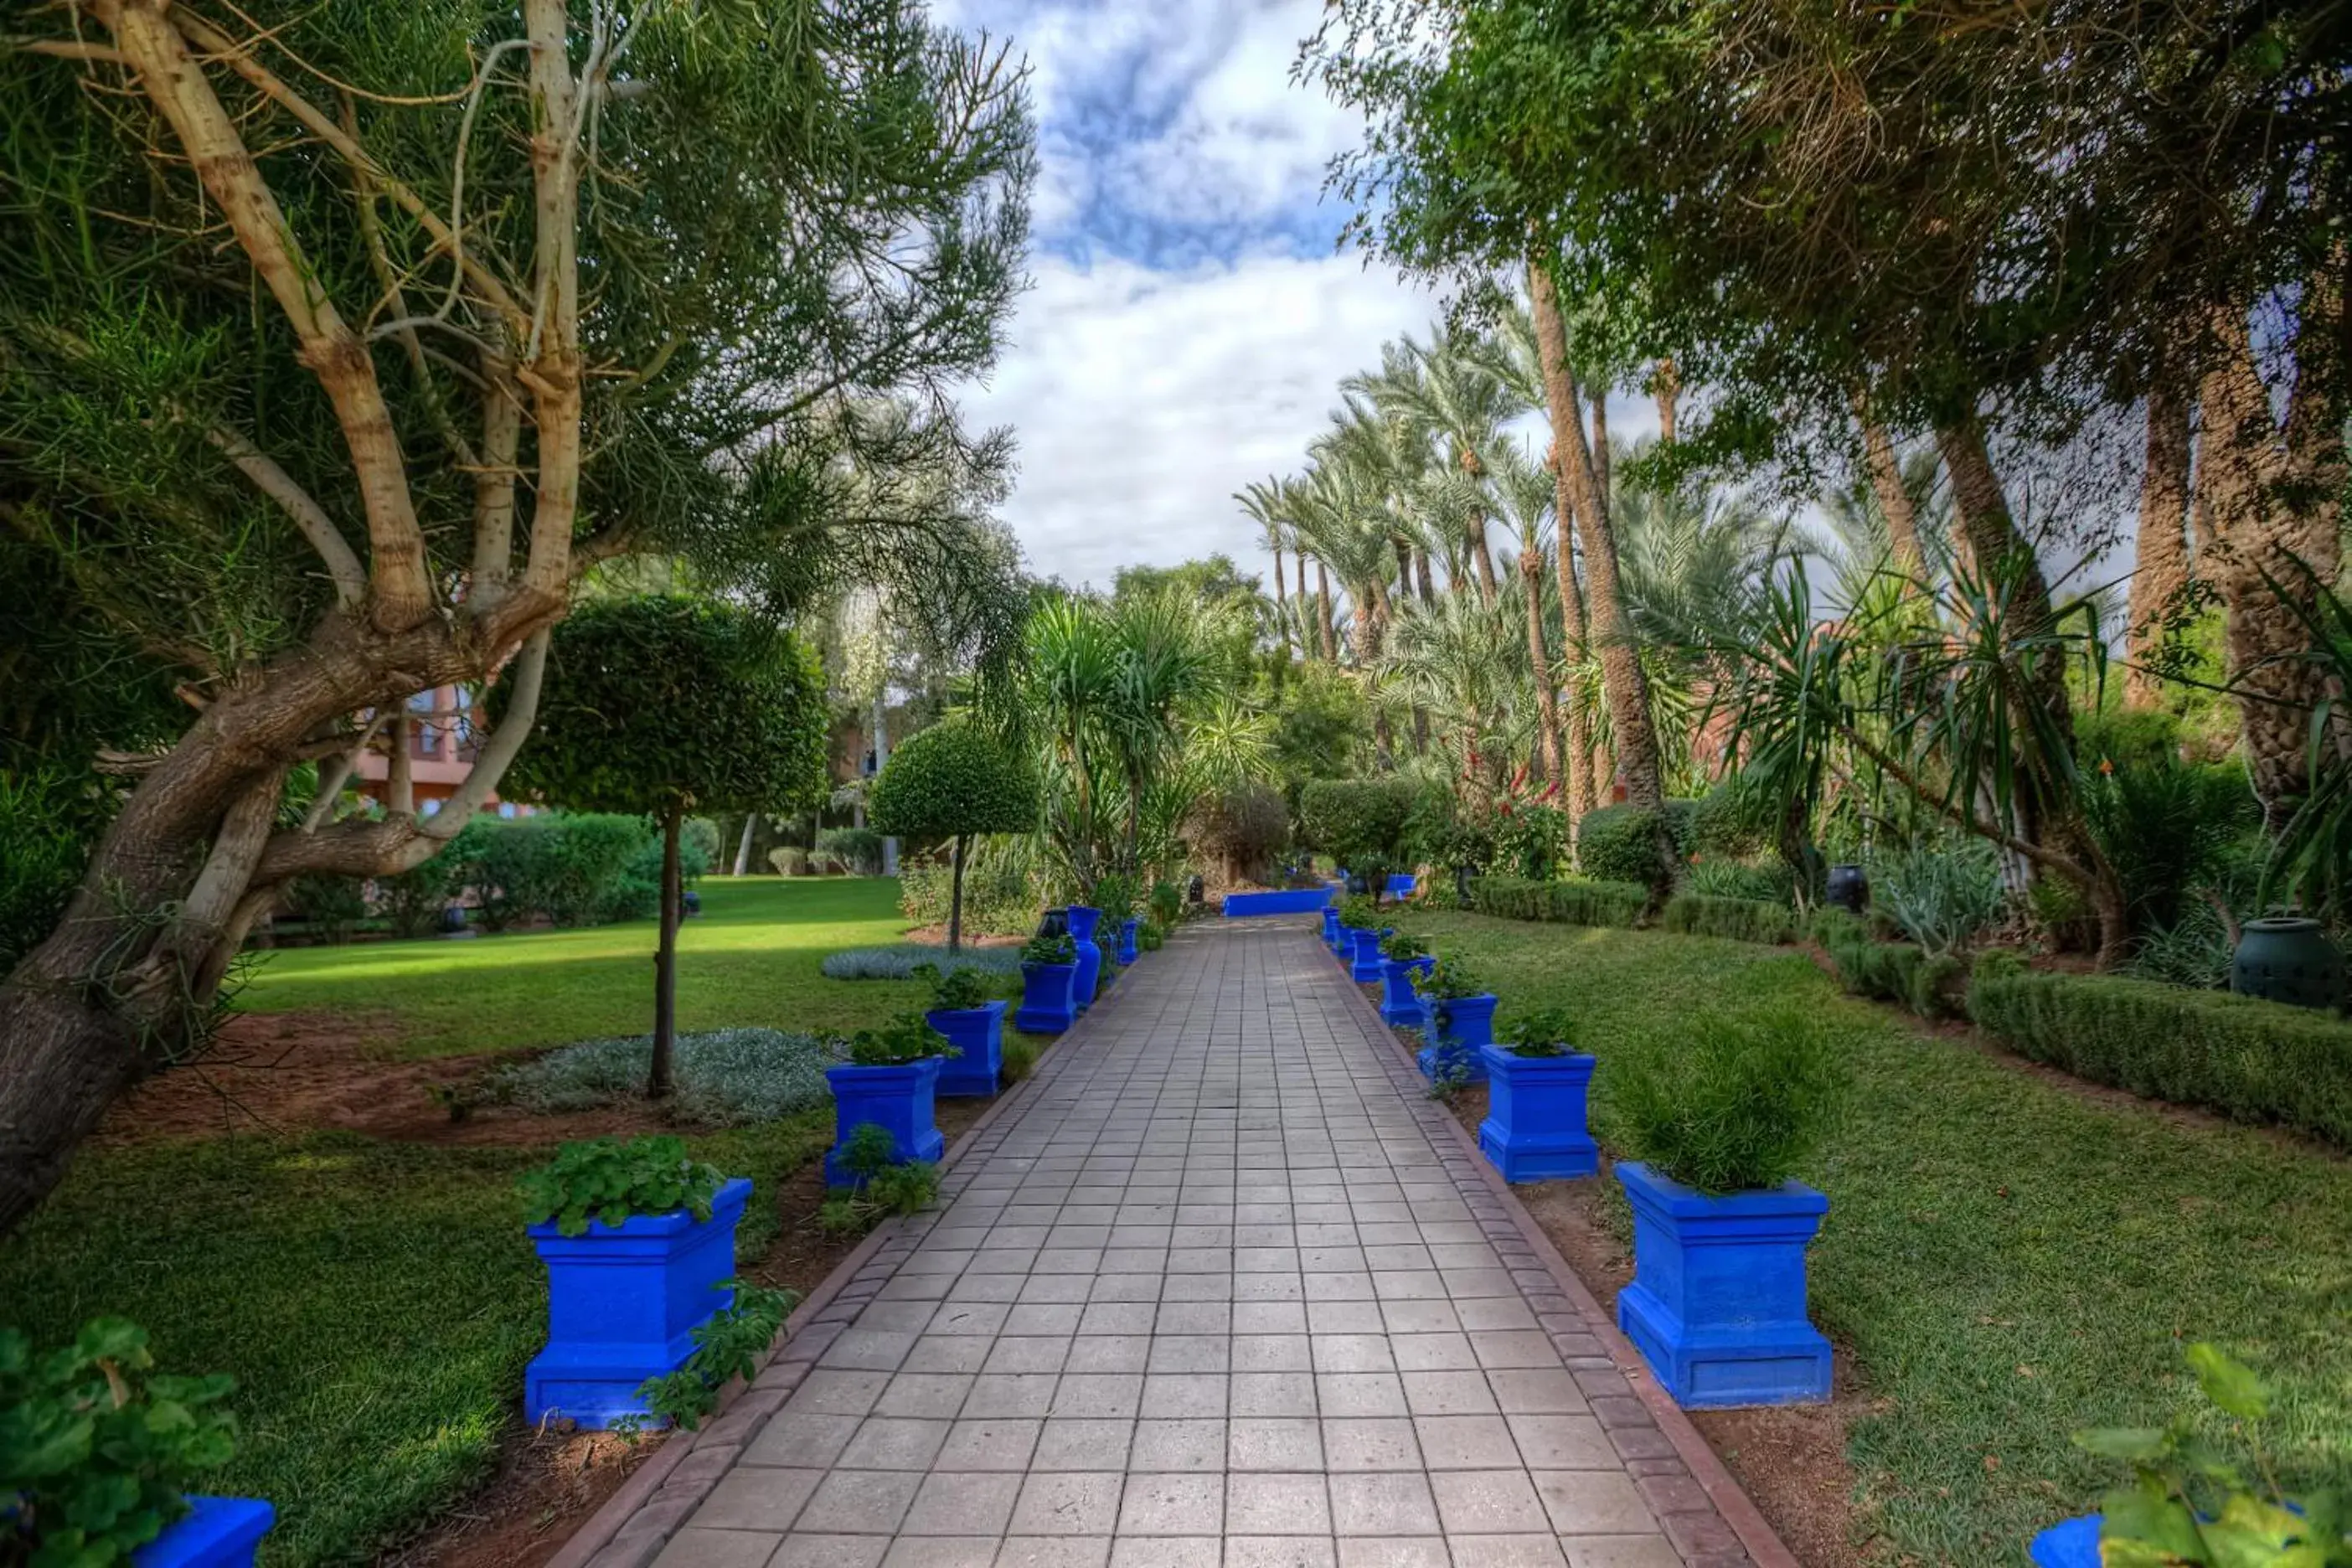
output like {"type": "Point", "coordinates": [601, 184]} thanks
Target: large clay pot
{"type": "Point", "coordinates": [1848, 889]}
{"type": "Point", "coordinates": [2287, 958]}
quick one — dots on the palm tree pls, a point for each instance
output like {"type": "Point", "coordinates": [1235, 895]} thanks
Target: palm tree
{"type": "Point", "coordinates": [1463, 661]}
{"type": "Point", "coordinates": [1346, 525]}
{"type": "Point", "coordinates": [1526, 492]}
{"type": "Point", "coordinates": [1450, 393]}
{"type": "Point", "coordinates": [1262, 501]}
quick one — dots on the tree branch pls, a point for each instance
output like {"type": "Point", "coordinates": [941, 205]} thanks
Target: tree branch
{"type": "Point", "coordinates": [550, 366]}
{"type": "Point", "coordinates": [342, 562]}
{"type": "Point", "coordinates": [490, 763]}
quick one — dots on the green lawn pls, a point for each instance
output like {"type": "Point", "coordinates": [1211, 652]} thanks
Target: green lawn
{"type": "Point", "coordinates": [376, 1302]}
{"type": "Point", "coordinates": [2005, 1260]}
{"type": "Point", "coordinates": [750, 958]}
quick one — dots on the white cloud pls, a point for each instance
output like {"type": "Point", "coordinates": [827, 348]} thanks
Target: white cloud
{"type": "Point", "coordinates": [1143, 399]}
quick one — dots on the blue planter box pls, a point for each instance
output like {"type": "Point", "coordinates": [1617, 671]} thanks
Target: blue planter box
{"type": "Point", "coordinates": [1535, 1127]}
{"type": "Point", "coordinates": [1280, 902]}
{"type": "Point", "coordinates": [1330, 929]}
{"type": "Point", "coordinates": [978, 1036]}
{"type": "Point", "coordinates": [898, 1099]}
{"type": "Point", "coordinates": [1364, 964]}
{"type": "Point", "coordinates": [1083, 921]}
{"type": "Point", "coordinates": [1047, 1004]}
{"type": "Point", "coordinates": [1126, 941]}
{"type": "Point", "coordinates": [2069, 1543]}
{"type": "Point", "coordinates": [1400, 1003]}
{"type": "Point", "coordinates": [623, 1303]}
{"type": "Point", "coordinates": [215, 1532]}
{"type": "Point", "coordinates": [1460, 1030]}
{"type": "Point", "coordinates": [1400, 886]}
{"type": "Point", "coordinates": [1718, 1302]}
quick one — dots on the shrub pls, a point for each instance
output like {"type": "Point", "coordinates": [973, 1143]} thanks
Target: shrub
{"type": "Point", "coordinates": [1894, 972]}
{"type": "Point", "coordinates": [2250, 1060]}
{"type": "Point", "coordinates": [880, 1185]}
{"type": "Point", "coordinates": [1532, 841]}
{"type": "Point", "coordinates": [1348, 819]}
{"type": "Point", "coordinates": [907, 1037]}
{"type": "Point", "coordinates": [901, 962]}
{"type": "Point", "coordinates": [1714, 878]}
{"type": "Point", "coordinates": [1942, 894]}
{"type": "Point", "coordinates": [2195, 951]}
{"type": "Point", "coordinates": [955, 781]}
{"type": "Point", "coordinates": [1115, 897]}
{"type": "Point", "coordinates": [1738, 1108]}
{"type": "Point", "coordinates": [595, 869]}
{"type": "Point", "coordinates": [95, 1454]}
{"type": "Point", "coordinates": [331, 906]}
{"type": "Point", "coordinates": [1569, 903]}
{"type": "Point", "coordinates": [1003, 888]}
{"type": "Point", "coordinates": [1741, 920]}
{"type": "Point", "coordinates": [957, 990]}
{"type": "Point", "coordinates": [413, 901]}
{"type": "Point", "coordinates": [1167, 904]}
{"type": "Point", "coordinates": [789, 860]}
{"type": "Point", "coordinates": [728, 1078]}
{"type": "Point", "coordinates": [607, 1180]}
{"type": "Point", "coordinates": [2167, 827]}
{"type": "Point", "coordinates": [1359, 912]}
{"type": "Point", "coordinates": [1619, 843]}
{"type": "Point", "coordinates": [859, 848]}
{"type": "Point", "coordinates": [1059, 948]}
{"type": "Point", "coordinates": [1239, 832]}
{"type": "Point", "coordinates": [727, 1345]}
{"type": "Point", "coordinates": [1546, 1032]}
{"type": "Point", "coordinates": [1727, 823]}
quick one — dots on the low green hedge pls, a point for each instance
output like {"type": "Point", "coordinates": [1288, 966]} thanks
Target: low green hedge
{"type": "Point", "coordinates": [1741, 920]}
{"type": "Point", "coordinates": [1897, 972]}
{"type": "Point", "coordinates": [2249, 1059]}
{"type": "Point", "coordinates": [1569, 903]}
{"type": "Point", "coordinates": [1619, 843]}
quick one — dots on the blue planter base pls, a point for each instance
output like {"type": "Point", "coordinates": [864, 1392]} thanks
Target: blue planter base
{"type": "Point", "coordinates": [978, 1036]}
{"type": "Point", "coordinates": [1364, 960]}
{"type": "Point", "coordinates": [1046, 1004]}
{"type": "Point", "coordinates": [215, 1532]}
{"type": "Point", "coordinates": [1127, 942]}
{"type": "Point", "coordinates": [1400, 1003]}
{"type": "Point", "coordinates": [623, 1304]}
{"type": "Point", "coordinates": [2069, 1543]}
{"type": "Point", "coordinates": [1535, 1125]}
{"type": "Point", "coordinates": [1718, 1302]}
{"type": "Point", "coordinates": [898, 1099]}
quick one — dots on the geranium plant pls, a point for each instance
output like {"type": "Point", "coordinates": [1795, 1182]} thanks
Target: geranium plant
{"type": "Point", "coordinates": [907, 1037]}
{"type": "Point", "coordinates": [1059, 948]}
{"type": "Point", "coordinates": [957, 990]}
{"type": "Point", "coordinates": [1542, 1033]}
{"type": "Point", "coordinates": [608, 1180]}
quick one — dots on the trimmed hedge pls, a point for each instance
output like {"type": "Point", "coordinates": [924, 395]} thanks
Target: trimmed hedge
{"type": "Point", "coordinates": [1896, 971]}
{"type": "Point", "coordinates": [1355, 819]}
{"type": "Point", "coordinates": [2251, 1061]}
{"type": "Point", "coordinates": [1569, 903]}
{"type": "Point", "coordinates": [1619, 843]}
{"type": "Point", "coordinates": [1740, 919]}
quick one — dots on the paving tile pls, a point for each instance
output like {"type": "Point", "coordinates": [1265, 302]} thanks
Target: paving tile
{"type": "Point", "coordinates": [1274, 1443]}
{"type": "Point", "coordinates": [860, 1502]}
{"type": "Point", "coordinates": [1505, 1551]}
{"type": "Point", "coordinates": [1593, 1502]}
{"type": "Point", "coordinates": [1108, 1352]}
{"type": "Point", "coordinates": [1083, 1445]}
{"type": "Point", "coordinates": [1176, 1394]}
{"type": "Point", "coordinates": [1369, 1443]}
{"type": "Point", "coordinates": [1172, 1504]}
{"type": "Point", "coordinates": [756, 1499]}
{"type": "Point", "coordinates": [1193, 1445]}
{"type": "Point", "coordinates": [1167, 1552]}
{"type": "Point", "coordinates": [1563, 1443]}
{"type": "Point", "coordinates": [1068, 1503]}
{"type": "Point", "coordinates": [698, 1547]}
{"type": "Point", "coordinates": [895, 1443]}
{"type": "Point", "coordinates": [972, 1502]}
{"type": "Point", "coordinates": [942, 1551]}
{"type": "Point", "coordinates": [1620, 1551]}
{"type": "Point", "coordinates": [1052, 1552]}
{"type": "Point", "coordinates": [1277, 1504]}
{"type": "Point", "coordinates": [993, 1445]}
{"type": "Point", "coordinates": [1488, 1502]}
{"type": "Point", "coordinates": [1279, 1551]}
{"type": "Point", "coordinates": [1382, 1503]}
{"type": "Point", "coordinates": [1466, 1442]}
{"type": "Point", "coordinates": [814, 1550]}
{"type": "Point", "coordinates": [938, 1394]}
{"type": "Point", "coordinates": [1274, 1394]}
{"type": "Point", "coordinates": [1360, 1393]}
{"type": "Point", "coordinates": [793, 1437]}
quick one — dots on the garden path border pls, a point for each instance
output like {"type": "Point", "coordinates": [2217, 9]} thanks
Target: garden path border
{"type": "Point", "coordinates": [632, 1526]}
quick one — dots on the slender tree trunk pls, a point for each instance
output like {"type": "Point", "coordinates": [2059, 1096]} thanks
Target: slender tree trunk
{"type": "Point", "coordinates": [1600, 453]}
{"type": "Point", "coordinates": [658, 1082]}
{"type": "Point", "coordinates": [1622, 680]}
{"type": "Point", "coordinates": [881, 760]}
{"type": "Point", "coordinates": [1885, 470]}
{"type": "Point", "coordinates": [1305, 637]}
{"type": "Point", "coordinates": [955, 898]}
{"type": "Point", "coordinates": [2273, 494]}
{"type": "Point", "coordinates": [1323, 601]}
{"type": "Point", "coordinates": [1665, 385]}
{"type": "Point", "coordinates": [1539, 663]}
{"type": "Point", "coordinates": [743, 845]}
{"type": "Point", "coordinates": [2160, 554]}
{"type": "Point", "coordinates": [1281, 602]}
{"type": "Point", "coordinates": [1483, 559]}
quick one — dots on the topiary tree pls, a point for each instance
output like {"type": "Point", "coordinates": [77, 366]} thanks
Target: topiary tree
{"type": "Point", "coordinates": [952, 781]}
{"type": "Point", "coordinates": [664, 705]}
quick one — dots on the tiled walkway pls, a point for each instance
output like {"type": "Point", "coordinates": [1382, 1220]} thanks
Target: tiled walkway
{"type": "Point", "coordinates": [1221, 1291]}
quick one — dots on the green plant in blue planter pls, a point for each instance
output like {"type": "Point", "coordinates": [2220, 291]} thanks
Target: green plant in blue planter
{"type": "Point", "coordinates": [97, 1451]}
{"type": "Point", "coordinates": [1049, 975]}
{"type": "Point", "coordinates": [1718, 1127]}
{"type": "Point", "coordinates": [1534, 1129]}
{"type": "Point", "coordinates": [607, 1180]}
{"type": "Point", "coordinates": [1461, 1014]}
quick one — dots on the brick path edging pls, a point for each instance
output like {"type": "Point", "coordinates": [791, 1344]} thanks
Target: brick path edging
{"type": "Point", "coordinates": [633, 1525]}
{"type": "Point", "coordinates": [1696, 1498]}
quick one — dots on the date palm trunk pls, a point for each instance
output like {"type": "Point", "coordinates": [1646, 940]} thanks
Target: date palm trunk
{"type": "Point", "coordinates": [1885, 471]}
{"type": "Point", "coordinates": [2160, 554]}
{"type": "Point", "coordinates": [1323, 604]}
{"type": "Point", "coordinates": [1540, 667]}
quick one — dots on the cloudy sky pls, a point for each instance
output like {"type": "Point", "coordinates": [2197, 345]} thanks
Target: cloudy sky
{"type": "Point", "coordinates": [1189, 321]}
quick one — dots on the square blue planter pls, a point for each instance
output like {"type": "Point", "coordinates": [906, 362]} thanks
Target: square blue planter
{"type": "Point", "coordinates": [623, 1303]}
{"type": "Point", "coordinates": [1400, 886]}
{"type": "Point", "coordinates": [215, 1532]}
{"type": "Point", "coordinates": [2069, 1543]}
{"type": "Point", "coordinates": [1083, 921]}
{"type": "Point", "coordinates": [1535, 1127]}
{"type": "Point", "coordinates": [978, 1036]}
{"type": "Point", "coordinates": [898, 1099]}
{"type": "Point", "coordinates": [1126, 941]}
{"type": "Point", "coordinates": [1330, 929]}
{"type": "Point", "coordinates": [1460, 1029]}
{"type": "Point", "coordinates": [1049, 1005]}
{"type": "Point", "coordinates": [1364, 960]}
{"type": "Point", "coordinates": [1400, 1003]}
{"type": "Point", "coordinates": [1718, 1302]}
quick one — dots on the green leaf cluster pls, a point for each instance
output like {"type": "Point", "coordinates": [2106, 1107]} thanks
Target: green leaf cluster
{"type": "Point", "coordinates": [1060, 948]}
{"type": "Point", "coordinates": [95, 1449]}
{"type": "Point", "coordinates": [951, 780]}
{"type": "Point", "coordinates": [1543, 1032]}
{"type": "Point", "coordinates": [727, 1345]}
{"type": "Point", "coordinates": [880, 1183]}
{"type": "Point", "coordinates": [1352, 819]}
{"type": "Point", "coordinates": [958, 989]}
{"type": "Point", "coordinates": [907, 1037]}
{"type": "Point", "coordinates": [2189, 1502]}
{"type": "Point", "coordinates": [1739, 1108]}
{"type": "Point", "coordinates": [607, 1180]}
{"type": "Point", "coordinates": [1448, 979]}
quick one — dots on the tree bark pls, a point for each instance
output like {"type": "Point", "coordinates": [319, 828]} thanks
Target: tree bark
{"type": "Point", "coordinates": [1323, 600]}
{"type": "Point", "coordinates": [658, 1082]}
{"type": "Point", "coordinates": [1623, 683]}
{"type": "Point", "coordinates": [1306, 638]}
{"type": "Point", "coordinates": [1483, 559]}
{"type": "Point", "coordinates": [743, 845]}
{"type": "Point", "coordinates": [2273, 497]}
{"type": "Point", "coordinates": [2160, 554]}
{"type": "Point", "coordinates": [1885, 470]}
{"type": "Point", "coordinates": [1665, 385]}
{"type": "Point", "coordinates": [1540, 663]}
{"type": "Point", "coordinates": [1600, 453]}
{"type": "Point", "coordinates": [955, 897]}
{"type": "Point", "coordinates": [1281, 602]}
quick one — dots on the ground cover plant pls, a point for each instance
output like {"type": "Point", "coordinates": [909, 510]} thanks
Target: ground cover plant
{"type": "Point", "coordinates": [901, 960]}
{"type": "Point", "coordinates": [2008, 1257]}
{"type": "Point", "coordinates": [726, 1077]}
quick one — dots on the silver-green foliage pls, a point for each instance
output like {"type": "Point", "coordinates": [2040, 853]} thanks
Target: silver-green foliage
{"type": "Point", "coordinates": [900, 961]}
{"type": "Point", "coordinates": [1942, 894]}
{"type": "Point", "coordinates": [723, 1078]}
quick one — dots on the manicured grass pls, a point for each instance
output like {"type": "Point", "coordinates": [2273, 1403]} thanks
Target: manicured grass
{"type": "Point", "coordinates": [750, 958]}
{"type": "Point", "coordinates": [375, 1302]}
{"type": "Point", "coordinates": [2005, 1258]}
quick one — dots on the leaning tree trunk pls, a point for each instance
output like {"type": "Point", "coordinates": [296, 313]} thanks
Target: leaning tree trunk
{"type": "Point", "coordinates": [2160, 554]}
{"type": "Point", "coordinates": [1885, 471]}
{"type": "Point", "coordinates": [657, 1082]}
